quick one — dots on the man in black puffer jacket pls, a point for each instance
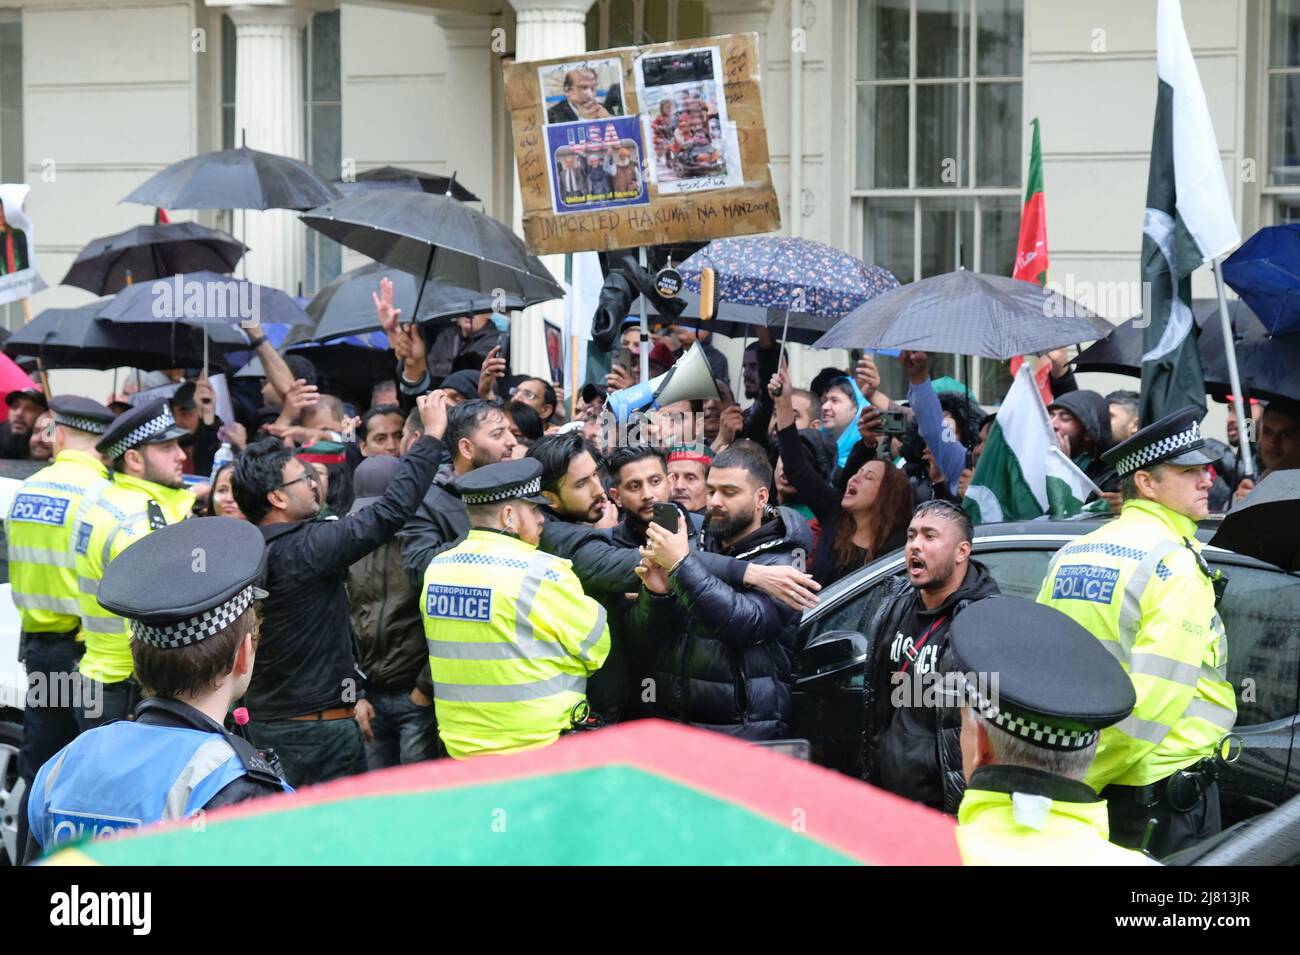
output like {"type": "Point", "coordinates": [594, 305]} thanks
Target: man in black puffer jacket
{"type": "Point", "coordinates": [720, 657]}
{"type": "Point", "coordinates": [917, 747]}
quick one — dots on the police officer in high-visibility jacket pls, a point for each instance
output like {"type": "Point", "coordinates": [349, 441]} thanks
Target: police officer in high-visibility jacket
{"type": "Point", "coordinates": [1140, 585]}
{"type": "Point", "coordinates": [512, 637]}
{"type": "Point", "coordinates": [148, 492]}
{"type": "Point", "coordinates": [40, 526]}
{"type": "Point", "coordinates": [1035, 689]}
{"type": "Point", "coordinates": [188, 591]}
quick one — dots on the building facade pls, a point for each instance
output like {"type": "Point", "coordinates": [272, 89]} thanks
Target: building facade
{"type": "Point", "coordinates": [898, 129]}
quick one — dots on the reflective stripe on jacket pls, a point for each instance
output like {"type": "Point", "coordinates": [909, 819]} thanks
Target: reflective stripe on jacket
{"type": "Point", "coordinates": [1137, 585]}
{"type": "Point", "coordinates": [512, 639]}
{"type": "Point", "coordinates": [40, 530]}
{"type": "Point", "coordinates": [118, 519]}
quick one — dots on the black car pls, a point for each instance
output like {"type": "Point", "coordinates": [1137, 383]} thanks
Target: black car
{"type": "Point", "coordinates": [1260, 611]}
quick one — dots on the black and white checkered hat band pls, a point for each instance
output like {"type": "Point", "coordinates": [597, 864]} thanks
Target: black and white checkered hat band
{"type": "Point", "coordinates": [81, 424]}
{"type": "Point", "coordinates": [1158, 450]}
{"type": "Point", "coordinates": [207, 624]}
{"type": "Point", "coordinates": [1040, 734]}
{"type": "Point", "coordinates": [140, 434]}
{"type": "Point", "coordinates": [528, 489]}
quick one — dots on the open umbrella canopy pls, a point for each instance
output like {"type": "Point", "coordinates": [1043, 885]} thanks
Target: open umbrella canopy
{"type": "Point", "coordinates": [810, 279]}
{"type": "Point", "coordinates": [345, 305]}
{"type": "Point", "coordinates": [1266, 523]}
{"type": "Point", "coordinates": [151, 252]}
{"type": "Point", "coordinates": [646, 793]}
{"type": "Point", "coordinates": [410, 180]}
{"type": "Point", "coordinates": [436, 238]}
{"type": "Point", "coordinates": [240, 178]}
{"type": "Point", "coordinates": [204, 298]}
{"type": "Point", "coordinates": [968, 313]}
{"type": "Point", "coordinates": [75, 338]}
{"type": "Point", "coordinates": [1267, 363]}
{"type": "Point", "coordinates": [1265, 272]}
{"type": "Point", "coordinates": [737, 321]}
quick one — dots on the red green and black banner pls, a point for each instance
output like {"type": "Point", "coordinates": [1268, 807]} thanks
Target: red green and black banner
{"type": "Point", "coordinates": [1031, 250]}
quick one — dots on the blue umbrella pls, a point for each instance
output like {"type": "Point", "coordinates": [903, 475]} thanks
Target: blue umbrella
{"type": "Point", "coordinates": [1265, 272]}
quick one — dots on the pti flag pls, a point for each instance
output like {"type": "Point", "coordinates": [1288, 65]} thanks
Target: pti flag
{"type": "Point", "coordinates": [1022, 472]}
{"type": "Point", "coordinates": [1031, 251]}
{"type": "Point", "coordinates": [1188, 221]}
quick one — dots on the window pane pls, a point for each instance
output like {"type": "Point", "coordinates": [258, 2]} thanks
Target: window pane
{"type": "Point", "coordinates": [654, 21]}
{"type": "Point", "coordinates": [228, 127]}
{"type": "Point", "coordinates": [998, 128]}
{"type": "Point", "coordinates": [622, 21]}
{"type": "Point", "coordinates": [1284, 130]}
{"type": "Point", "coordinates": [327, 140]}
{"type": "Point", "coordinates": [941, 126]}
{"type": "Point", "coordinates": [882, 39]}
{"type": "Point", "coordinates": [947, 235]}
{"type": "Point", "coordinates": [942, 37]}
{"type": "Point", "coordinates": [999, 232]}
{"type": "Point", "coordinates": [325, 85]}
{"type": "Point", "coordinates": [999, 47]}
{"type": "Point", "coordinates": [1019, 573]}
{"type": "Point", "coordinates": [593, 27]}
{"type": "Point", "coordinates": [1287, 211]}
{"type": "Point", "coordinates": [882, 137]}
{"type": "Point", "coordinates": [11, 65]}
{"type": "Point", "coordinates": [692, 19]}
{"type": "Point", "coordinates": [889, 238]}
{"type": "Point", "coordinates": [228, 44]}
{"type": "Point", "coordinates": [1284, 33]}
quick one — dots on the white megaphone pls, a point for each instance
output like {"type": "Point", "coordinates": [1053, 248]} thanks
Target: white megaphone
{"type": "Point", "coordinates": [689, 379]}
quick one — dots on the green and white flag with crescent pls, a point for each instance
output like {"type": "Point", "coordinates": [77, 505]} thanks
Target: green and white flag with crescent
{"type": "Point", "coordinates": [1023, 473]}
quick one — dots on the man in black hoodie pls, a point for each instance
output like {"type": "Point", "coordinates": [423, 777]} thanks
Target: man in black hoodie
{"type": "Point", "coordinates": [917, 752]}
{"type": "Point", "coordinates": [1081, 420]}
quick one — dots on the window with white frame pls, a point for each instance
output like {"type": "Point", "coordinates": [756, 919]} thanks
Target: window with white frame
{"type": "Point", "coordinates": [11, 122]}
{"type": "Point", "coordinates": [1281, 185]}
{"type": "Point", "coordinates": [612, 23]}
{"type": "Point", "coordinates": [938, 137]}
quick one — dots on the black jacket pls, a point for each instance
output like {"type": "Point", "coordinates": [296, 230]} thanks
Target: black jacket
{"type": "Point", "coordinates": [307, 659]}
{"type": "Point", "coordinates": [439, 523]}
{"type": "Point", "coordinates": [719, 657]}
{"type": "Point", "coordinates": [917, 752]}
{"type": "Point", "coordinates": [385, 613]}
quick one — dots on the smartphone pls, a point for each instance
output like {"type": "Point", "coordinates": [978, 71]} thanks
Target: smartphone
{"type": "Point", "coordinates": [626, 360]}
{"type": "Point", "coordinates": [666, 516]}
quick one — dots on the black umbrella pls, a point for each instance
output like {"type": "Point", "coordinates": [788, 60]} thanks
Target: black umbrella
{"type": "Point", "coordinates": [204, 298]}
{"type": "Point", "coordinates": [968, 313]}
{"type": "Point", "coordinates": [75, 338]}
{"type": "Point", "coordinates": [152, 252]}
{"type": "Point", "coordinates": [409, 180]}
{"type": "Point", "coordinates": [737, 321]}
{"type": "Point", "coordinates": [345, 306]}
{"type": "Point", "coordinates": [1267, 363]}
{"type": "Point", "coordinates": [240, 178]}
{"type": "Point", "coordinates": [437, 239]}
{"type": "Point", "coordinates": [1264, 524]}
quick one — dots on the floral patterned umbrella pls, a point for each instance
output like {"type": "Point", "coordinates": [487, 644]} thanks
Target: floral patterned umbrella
{"type": "Point", "coordinates": [815, 283]}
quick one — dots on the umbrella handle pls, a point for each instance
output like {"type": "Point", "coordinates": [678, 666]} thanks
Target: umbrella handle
{"type": "Point", "coordinates": [419, 294]}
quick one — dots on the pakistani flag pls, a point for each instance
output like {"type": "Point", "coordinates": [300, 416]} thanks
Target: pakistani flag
{"type": "Point", "coordinates": [1023, 473]}
{"type": "Point", "coordinates": [1188, 221]}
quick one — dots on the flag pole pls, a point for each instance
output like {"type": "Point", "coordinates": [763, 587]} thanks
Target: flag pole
{"type": "Point", "coordinates": [1234, 377]}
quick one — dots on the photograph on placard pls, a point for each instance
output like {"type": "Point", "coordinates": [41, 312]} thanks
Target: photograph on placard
{"type": "Point", "coordinates": [18, 276]}
{"type": "Point", "coordinates": [596, 165]}
{"type": "Point", "coordinates": [583, 90]}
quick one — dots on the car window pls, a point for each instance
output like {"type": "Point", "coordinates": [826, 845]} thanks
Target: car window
{"type": "Point", "coordinates": [1019, 573]}
{"type": "Point", "coordinates": [853, 613]}
{"type": "Point", "coordinates": [1261, 615]}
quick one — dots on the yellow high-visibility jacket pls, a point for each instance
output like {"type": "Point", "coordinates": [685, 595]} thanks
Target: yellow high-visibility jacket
{"type": "Point", "coordinates": [1138, 586]}
{"type": "Point", "coordinates": [125, 512]}
{"type": "Point", "coordinates": [40, 527]}
{"type": "Point", "coordinates": [999, 828]}
{"type": "Point", "coordinates": [512, 639]}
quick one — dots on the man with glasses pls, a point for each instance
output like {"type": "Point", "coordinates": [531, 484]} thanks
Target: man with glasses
{"type": "Point", "coordinates": [306, 699]}
{"type": "Point", "coordinates": [538, 395]}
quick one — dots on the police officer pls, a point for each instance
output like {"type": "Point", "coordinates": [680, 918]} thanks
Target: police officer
{"type": "Point", "coordinates": [39, 529]}
{"type": "Point", "coordinates": [188, 591]}
{"type": "Point", "coordinates": [512, 637]}
{"type": "Point", "coordinates": [1140, 585]}
{"type": "Point", "coordinates": [1035, 696]}
{"type": "Point", "coordinates": [147, 493]}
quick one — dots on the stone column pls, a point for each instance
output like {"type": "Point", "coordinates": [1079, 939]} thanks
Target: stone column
{"type": "Point", "coordinates": [269, 118]}
{"type": "Point", "coordinates": [544, 29]}
{"type": "Point", "coordinates": [469, 65]}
